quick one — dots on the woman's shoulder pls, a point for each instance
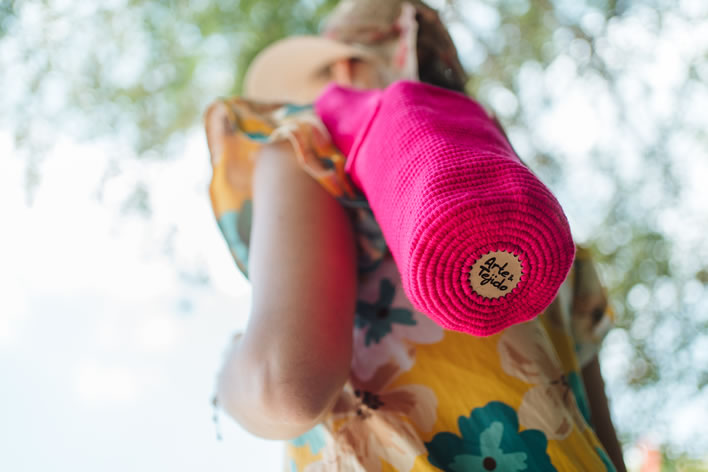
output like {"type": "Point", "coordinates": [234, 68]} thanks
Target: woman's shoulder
{"type": "Point", "coordinates": [237, 129]}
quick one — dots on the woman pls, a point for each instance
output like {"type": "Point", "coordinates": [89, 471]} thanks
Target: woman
{"type": "Point", "coordinates": [335, 359]}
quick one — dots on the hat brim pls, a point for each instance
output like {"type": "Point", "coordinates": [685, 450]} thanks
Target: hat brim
{"type": "Point", "coordinates": [294, 69]}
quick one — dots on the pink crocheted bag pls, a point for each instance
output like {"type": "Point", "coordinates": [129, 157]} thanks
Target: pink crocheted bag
{"type": "Point", "coordinates": [480, 242]}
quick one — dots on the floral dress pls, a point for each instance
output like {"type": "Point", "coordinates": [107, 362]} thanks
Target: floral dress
{"type": "Point", "coordinates": [419, 397]}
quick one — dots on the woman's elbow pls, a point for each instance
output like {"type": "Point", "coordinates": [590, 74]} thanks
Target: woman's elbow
{"type": "Point", "coordinates": [274, 404]}
{"type": "Point", "coordinates": [302, 406]}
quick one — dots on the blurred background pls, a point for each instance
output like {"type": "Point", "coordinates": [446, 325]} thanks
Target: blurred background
{"type": "Point", "coordinates": [118, 294]}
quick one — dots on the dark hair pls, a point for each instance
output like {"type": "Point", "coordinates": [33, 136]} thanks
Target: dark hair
{"type": "Point", "coordinates": [438, 63]}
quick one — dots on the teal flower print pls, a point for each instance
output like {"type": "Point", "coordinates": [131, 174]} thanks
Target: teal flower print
{"type": "Point", "coordinates": [396, 344]}
{"type": "Point", "coordinates": [380, 316]}
{"type": "Point", "coordinates": [314, 438]}
{"type": "Point", "coordinates": [236, 228]}
{"type": "Point", "coordinates": [491, 455]}
{"type": "Point", "coordinates": [575, 382]}
{"type": "Point", "coordinates": [292, 109]}
{"type": "Point", "coordinates": [605, 460]}
{"type": "Point", "coordinates": [258, 137]}
{"type": "Point", "coordinates": [490, 441]}
{"type": "Point", "coordinates": [371, 244]}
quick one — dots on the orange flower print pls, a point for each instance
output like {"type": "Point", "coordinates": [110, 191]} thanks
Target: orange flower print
{"type": "Point", "coordinates": [371, 422]}
{"type": "Point", "coordinates": [550, 405]}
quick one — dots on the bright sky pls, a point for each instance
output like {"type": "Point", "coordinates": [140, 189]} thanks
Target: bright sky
{"type": "Point", "coordinates": [107, 355]}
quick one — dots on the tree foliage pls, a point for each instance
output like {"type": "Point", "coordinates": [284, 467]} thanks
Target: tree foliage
{"type": "Point", "coordinates": [627, 75]}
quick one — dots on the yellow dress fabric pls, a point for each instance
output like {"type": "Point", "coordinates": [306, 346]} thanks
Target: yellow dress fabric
{"type": "Point", "coordinates": [421, 398]}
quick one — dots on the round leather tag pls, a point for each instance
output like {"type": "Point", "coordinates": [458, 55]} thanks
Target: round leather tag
{"type": "Point", "coordinates": [495, 274]}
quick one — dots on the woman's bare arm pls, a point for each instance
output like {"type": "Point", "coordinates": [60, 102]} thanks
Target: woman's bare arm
{"type": "Point", "coordinates": [285, 372]}
{"type": "Point", "coordinates": [600, 413]}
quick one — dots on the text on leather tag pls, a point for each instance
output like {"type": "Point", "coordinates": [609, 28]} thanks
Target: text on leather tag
{"type": "Point", "coordinates": [495, 274]}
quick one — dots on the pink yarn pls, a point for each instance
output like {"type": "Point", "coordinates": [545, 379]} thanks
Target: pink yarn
{"type": "Point", "coordinates": [446, 188]}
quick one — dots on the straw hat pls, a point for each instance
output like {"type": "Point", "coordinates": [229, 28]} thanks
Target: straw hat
{"type": "Point", "coordinates": [382, 32]}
